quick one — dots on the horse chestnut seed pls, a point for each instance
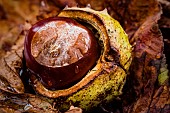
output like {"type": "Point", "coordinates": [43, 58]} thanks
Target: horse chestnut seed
{"type": "Point", "coordinates": [60, 51]}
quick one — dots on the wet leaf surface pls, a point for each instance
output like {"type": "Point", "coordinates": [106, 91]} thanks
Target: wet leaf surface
{"type": "Point", "coordinates": [146, 23]}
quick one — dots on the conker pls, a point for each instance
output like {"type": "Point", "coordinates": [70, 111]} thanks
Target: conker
{"type": "Point", "coordinates": [60, 51]}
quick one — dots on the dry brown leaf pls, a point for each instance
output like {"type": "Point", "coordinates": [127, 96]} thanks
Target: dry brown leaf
{"type": "Point", "coordinates": [24, 103]}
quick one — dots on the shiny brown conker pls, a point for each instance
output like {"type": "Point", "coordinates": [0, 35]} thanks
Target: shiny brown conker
{"type": "Point", "coordinates": [60, 51]}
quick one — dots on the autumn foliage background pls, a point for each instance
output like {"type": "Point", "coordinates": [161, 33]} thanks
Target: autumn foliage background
{"type": "Point", "coordinates": [147, 23]}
